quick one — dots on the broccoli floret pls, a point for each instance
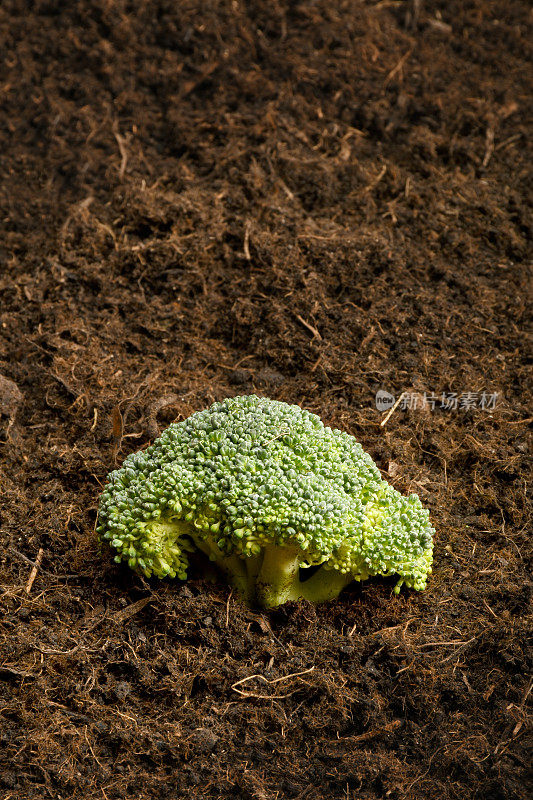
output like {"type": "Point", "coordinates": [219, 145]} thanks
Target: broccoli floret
{"type": "Point", "coordinates": [264, 490]}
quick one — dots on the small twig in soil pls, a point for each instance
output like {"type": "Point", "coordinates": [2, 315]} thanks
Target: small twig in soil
{"type": "Point", "coordinates": [398, 68]}
{"type": "Point", "coordinates": [246, 245]}
{"type": "Point", "coordinates": [442, 644]}
{"type": "Point", "coordinates": [490, 609]}
{"type": "Point", "coordinates": [91, 749]}
{"type": "Point", "coordinates": [392, 410]}
{"type": "Point", "coordinates": [403, 626]}
{"type": "Point", "coordinates": [131, 610]}
{"type": "Point", "coordinates": [270, 683]}
{"type": "Point", "coordinates": [123, 153]}
{"type": "Point", "coordinates": [508, 141]}
{"type": "Point", "coordinates": [317, 362]}
{"type": "Point", "coordinates": [77, 210]}
{"type": "Point", "coordinates": [118, 429]}
{"type": "Point", "coordinates": [227, 608]}
{"type": "Point", "coordinates": [372, 185]}
{"type": "Point", "coordinates": [489, 144]}
{"type": "Point", "coordinates": [6, 671]}
{"type": "Point", "coordinates": [365, 737]}
{"type": "Point", "coordinates": [459, 650]}
{"type": "Point", "coordinates": [34, 564]}
{"type": "Point", "coordinates": [152, 426]}
{"type": "Point", "coordinates": [309, 327]}
{"type": "Point", "coordinates": [59, 652]}
{"type": "Point", "coordinates": [34, 570]}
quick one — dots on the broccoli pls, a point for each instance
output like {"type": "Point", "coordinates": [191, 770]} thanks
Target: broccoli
{"type": "Point", "coordinates": [285, 507]}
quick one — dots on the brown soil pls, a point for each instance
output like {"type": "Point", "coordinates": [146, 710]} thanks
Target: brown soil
{"type": "Point", "coordinates": [310, 200]}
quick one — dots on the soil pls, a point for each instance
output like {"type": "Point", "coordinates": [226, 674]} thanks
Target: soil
{"type": "Point", "coordinates": [311, 201]}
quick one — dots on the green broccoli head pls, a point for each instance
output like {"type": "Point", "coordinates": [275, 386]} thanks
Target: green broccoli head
{"type": "Point", "coordinates": [265, 490]}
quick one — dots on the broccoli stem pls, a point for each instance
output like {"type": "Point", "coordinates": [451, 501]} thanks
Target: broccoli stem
{"type": "Point", "coordinates": [269, 579]}
{"type": "Point", "coordinates": [253, 565]}
{"type": "Point", "coordinates": [232, 567]}
{"type": "Point", "coordinates": [324, 585]}
{"type": "Point", "coordinates": [277, 580]}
